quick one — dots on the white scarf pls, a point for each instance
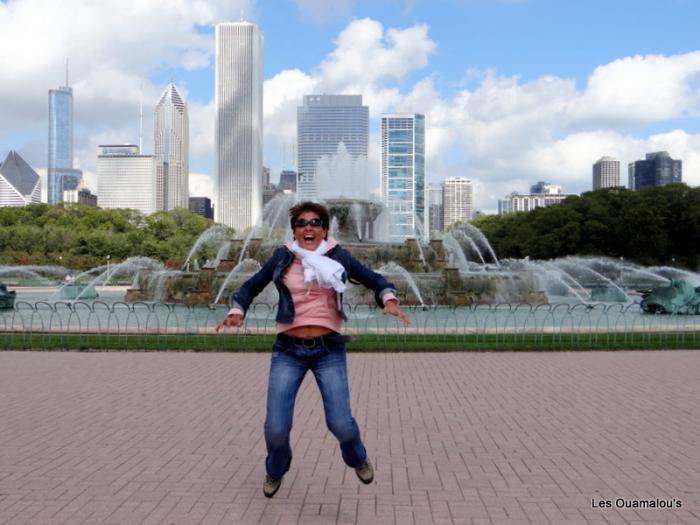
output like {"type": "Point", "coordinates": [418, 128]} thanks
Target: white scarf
{"type": "Point", "coordinates": [327, 272]}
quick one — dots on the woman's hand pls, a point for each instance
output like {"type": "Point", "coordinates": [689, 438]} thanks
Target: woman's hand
{"type": "Point", "coordinates": [392, 308]}
{"type": "Point", "coordinates": [230, 320]}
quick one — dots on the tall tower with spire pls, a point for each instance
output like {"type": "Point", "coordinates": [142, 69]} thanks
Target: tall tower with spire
{"type": "Point", "coordinates": [61, 174]}
{"type": "Point", "coordinates": [171, 131]}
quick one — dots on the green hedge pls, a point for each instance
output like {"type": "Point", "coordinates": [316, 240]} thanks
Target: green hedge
{"type": "Point", "coordinates": [363, 343]}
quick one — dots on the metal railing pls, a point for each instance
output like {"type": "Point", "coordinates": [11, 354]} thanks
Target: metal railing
{"type": "Point", "coordinates": [134, 325]}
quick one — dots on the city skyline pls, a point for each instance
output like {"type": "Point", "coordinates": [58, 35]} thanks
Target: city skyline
{"type": "Point", "coordinates": [502, 115]}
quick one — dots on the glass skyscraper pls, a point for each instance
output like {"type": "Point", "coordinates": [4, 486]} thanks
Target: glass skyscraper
{"type": "Point", "coordinates": [323, 122]}
{"type": "Point", "coordinates": [60, 173]}
{"type": "Point", "coordinates": [171, 132]}
{"type": "Point", "coordinates": [239, 124]}
{"type": "Point", "coordinates": [403, 175]}
{"type": "Point", "coordinates": [658, 169]}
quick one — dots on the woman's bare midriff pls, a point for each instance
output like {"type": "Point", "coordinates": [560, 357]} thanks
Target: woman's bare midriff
{"type": "Point", "coordinates": [306, 332]}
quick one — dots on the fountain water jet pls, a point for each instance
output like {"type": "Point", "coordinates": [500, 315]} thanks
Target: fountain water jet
{"type": "Point", "coordinates": [217, 233]}
{"type": "Point", "coordinates": [470, 242]}
{"type": "Point", "coordinates": [393, 268]}
{"type": "Point", "coordinates": [237, 269]}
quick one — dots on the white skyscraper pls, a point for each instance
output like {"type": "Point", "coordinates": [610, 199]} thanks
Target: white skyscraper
{"type": "Point", "coordinates": [403, 175]}
{"type": "Point", "coordinates": [457, 200]}
{"type": "Point", "coordinates": [239, 124]}
{"type": "Point", "coordinates": [606, 173]}
{"type": "Point", "coordinates": [171, 150]}
{"type": "Point", "coordinates": [126, 179]}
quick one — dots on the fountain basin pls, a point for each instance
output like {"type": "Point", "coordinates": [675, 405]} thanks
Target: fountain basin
{"type": "Point", "coordinates": [608, 294]}
{"type": "Point", "coordinates": [72, 291]}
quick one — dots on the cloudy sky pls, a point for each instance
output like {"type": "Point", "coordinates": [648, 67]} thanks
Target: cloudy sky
{"type": "Point", "coordinates": [514, 91]}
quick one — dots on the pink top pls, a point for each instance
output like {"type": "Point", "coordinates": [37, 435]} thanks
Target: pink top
{"type": "Point", "coordinates": [313, 305]}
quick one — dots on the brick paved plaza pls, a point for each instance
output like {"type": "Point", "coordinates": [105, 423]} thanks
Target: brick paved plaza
{"type": "Point", "coordinates": [176, 438]}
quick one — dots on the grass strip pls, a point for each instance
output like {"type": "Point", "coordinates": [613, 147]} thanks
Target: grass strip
{"type": "Point", "coordinates": [363, 343]}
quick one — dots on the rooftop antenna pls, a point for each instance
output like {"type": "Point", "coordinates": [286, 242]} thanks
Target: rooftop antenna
{"type": "Point", "coordinates": [141, 120]}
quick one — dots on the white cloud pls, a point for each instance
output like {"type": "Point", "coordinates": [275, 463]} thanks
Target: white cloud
{"type": "Point", "coordinates": [201, 185]}
{"type": "Point", "coordinates": [639, 90]}
{"type": "Point", "coordinates": [201, 129]}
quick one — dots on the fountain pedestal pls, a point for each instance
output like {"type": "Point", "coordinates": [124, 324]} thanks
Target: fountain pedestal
{"type": "Point", "coordinates": [414, 262]}
{"type": "Point", "coordinates": [440, 260]}
{"type": "Point", "coordinates": [134, 295]}
{"type": "Point", "coordinates": [226, 265]}
{"type": "Point", "coordinates": [455, 293]}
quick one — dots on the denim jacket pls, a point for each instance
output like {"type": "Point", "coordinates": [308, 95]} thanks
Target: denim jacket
{"type": "Point", "coordinates": [275, 267]}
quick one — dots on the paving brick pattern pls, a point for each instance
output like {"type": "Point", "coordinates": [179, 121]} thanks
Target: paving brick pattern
{"type": "Point", "coordinates": [472, 438]}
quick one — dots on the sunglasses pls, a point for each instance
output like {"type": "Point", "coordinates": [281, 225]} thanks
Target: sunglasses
{"type": "Point", "coordinates": [300, 223]}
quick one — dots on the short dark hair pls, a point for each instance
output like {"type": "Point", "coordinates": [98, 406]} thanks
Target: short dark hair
{"type": "Point", "coordinates": [315, 207]}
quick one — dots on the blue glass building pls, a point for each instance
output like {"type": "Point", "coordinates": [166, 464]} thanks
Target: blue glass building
{"type": "Point", "coordinates": [403, 175]}
{"type": "Point", "coordinates": [61, 175]}
{"type": "Point", "coordinates": [658, 169]}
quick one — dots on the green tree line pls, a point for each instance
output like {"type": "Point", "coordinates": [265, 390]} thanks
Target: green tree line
{"type": "Point", "coordinates": [651, 226]}
{"type": "Point", "coordinates": [81, 237]}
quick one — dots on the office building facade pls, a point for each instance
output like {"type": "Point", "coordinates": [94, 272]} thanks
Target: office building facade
{"type": "Point", "coordinates": [19, 183]}
{"type": "Point", "coordinates": [657, 169]}
{"type": "Point", "coordinates": [125, 178]}
{"type": "Point", "coordinates": [323, 122]}
{"type": "Point", "coordinates": [171, 137]}
{"type": "Point", "coordinates": [201, 206]}
{"type": "Point", "coordinates": [403, 174]}
{"type": "Point", "coordinates": [61, 175]}
{"type": "Point", "coordinates": [80, 196]}
{"type": "Point", "coordinates": [288, 180]}
{"type": "Point", "coordinates": [239, 124]}
{"type": "Point", "coordinates": [548, 195]}
{"type": "Point", "coordinates": [435, 210]}
{"type": "Point", "coordinates": [606, 173]}
{"type": "Point", "coordinates": [457, 200]}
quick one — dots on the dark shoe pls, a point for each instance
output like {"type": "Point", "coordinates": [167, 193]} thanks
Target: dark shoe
{"type": "Point", "coordinates": [365, 472]}
{"type": "Point", "coordinates": [271, 486]}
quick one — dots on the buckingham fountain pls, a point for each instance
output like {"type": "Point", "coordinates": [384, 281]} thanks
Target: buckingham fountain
{"type": "Point", "coordinates": [458, 268]}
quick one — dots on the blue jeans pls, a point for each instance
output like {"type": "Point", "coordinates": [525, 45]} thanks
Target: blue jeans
{"type": "Point", "coordinates": [288, 367]}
